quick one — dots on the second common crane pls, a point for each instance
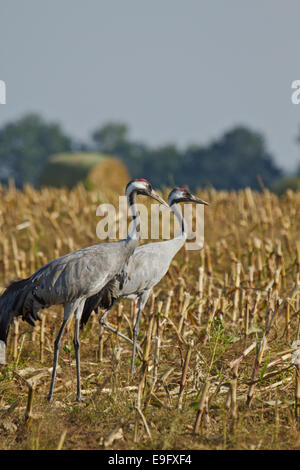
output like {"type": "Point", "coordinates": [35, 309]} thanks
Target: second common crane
{"type": "Point", "coordinates": [71, 279]}
{"type": "Point", "coordinates": [147, 266]}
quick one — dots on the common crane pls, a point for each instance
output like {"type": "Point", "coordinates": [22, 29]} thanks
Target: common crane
{"type": "Point", "coordinates": [71, 279]}
{"type": "Point", "coordinates": [146, 267]}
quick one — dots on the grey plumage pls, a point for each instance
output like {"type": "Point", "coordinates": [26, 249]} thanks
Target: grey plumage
{"type": "Point", "coordinates": [146, 267]}
{"type": "Point", "coordinates": [71, 279]}
{"type": "Point", "coordinates": [62, 281]}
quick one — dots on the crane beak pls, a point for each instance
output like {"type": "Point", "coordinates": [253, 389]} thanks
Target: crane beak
{"type": "Point", "coordinates": [199, 201]}
{"type": "Point", "coordinates": [155, 196]}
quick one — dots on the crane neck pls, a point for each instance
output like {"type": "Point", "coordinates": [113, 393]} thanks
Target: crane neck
{"type": "Point", "coordinates": [182, 234]}
{"type": "Point", "coordinates": [135, 226]}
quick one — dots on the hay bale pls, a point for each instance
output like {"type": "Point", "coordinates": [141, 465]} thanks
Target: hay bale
{"type": "Point", "coordinates": [94, 170]}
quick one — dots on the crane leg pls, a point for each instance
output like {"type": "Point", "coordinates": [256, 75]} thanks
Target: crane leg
{"type": "Point", "coordinates": [135, 335]}
{"type": "Point", "coordinates": [67, 315]}
{"type": "Point", "coordinates": [76, 343]}
{"type": "Point", "coordinates": [114, 330]}
{"type": "Point", "coordinates": [142, 301]}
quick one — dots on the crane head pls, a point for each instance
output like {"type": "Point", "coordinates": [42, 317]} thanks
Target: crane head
{"type": "Point", "coordinates": [183, 195]}
{"type": "Point", "coordinates": [143, 187]}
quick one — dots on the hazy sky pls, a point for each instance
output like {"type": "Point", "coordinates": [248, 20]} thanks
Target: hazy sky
{"type": "Point", "coordinates": [178, 71]}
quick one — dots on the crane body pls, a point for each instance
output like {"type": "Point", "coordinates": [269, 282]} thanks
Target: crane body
{"type": "Point", "coordinates": [144, 270]}
{"type": "Point", "coordinates": [71, 279]}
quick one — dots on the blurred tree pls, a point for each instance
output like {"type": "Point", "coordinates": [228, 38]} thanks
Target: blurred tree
{"type": "Point", "coordinates": [289, 182]}
{"type": "Point", "coordinates": [163, 164]}
{"type": "Point", "coordinates": [25, 146]}
{"type": "Point", "coordinates": [113, 139]}
{"type": "Point", "coordinates": [159, 164]}
{"type": "Point", "coordinates": [232, 162]}
{"type": "Point", "coordinates": [110, 138]}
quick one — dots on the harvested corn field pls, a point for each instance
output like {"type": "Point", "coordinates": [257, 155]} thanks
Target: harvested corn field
{"type": "Point", "coordinates": [219, 367]}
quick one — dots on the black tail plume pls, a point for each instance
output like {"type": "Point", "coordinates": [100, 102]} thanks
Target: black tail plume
{"type": "Point", "coordinates": [91, 304]}
{"type": "Point", "coordinates": [11, 304]}
{"type": "Point", "coordinates": [103, 299]}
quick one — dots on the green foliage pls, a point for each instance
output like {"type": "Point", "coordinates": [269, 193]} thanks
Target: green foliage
{"type": "Point", "coordinates": [68, 348]}
{"type": "Point", "coordinates": [291, 182]}
{"type": "Point", "coordinates": [162, 164]}
{"type": "Point", "coordinates": [25, 146]}
{"type": "Point", "coordinates": [111, 137]}
{"type": "Point", "coordinates": [232, 162]}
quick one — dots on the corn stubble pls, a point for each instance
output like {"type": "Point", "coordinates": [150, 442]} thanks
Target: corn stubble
{"type": "Point", "coordinates": [219, 334]}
